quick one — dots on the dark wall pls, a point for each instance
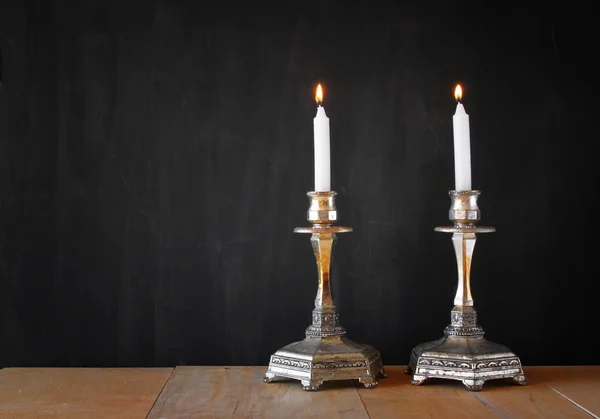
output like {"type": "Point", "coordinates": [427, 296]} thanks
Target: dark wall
{"type": "Point", "coordinates": [154, 160]}
{"type": "Point", "coordinates": [28, 139]}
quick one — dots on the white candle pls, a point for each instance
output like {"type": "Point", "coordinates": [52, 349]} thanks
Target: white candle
{"type": "Point", "coordinates": [462, 145]}
{"type": "Point", "coordinates": [322, 161]}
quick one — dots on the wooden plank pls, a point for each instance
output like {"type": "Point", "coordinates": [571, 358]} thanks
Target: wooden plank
{"type": "Point", "coordinates": [579, 384]}
{"type": "Point", "coordinates": [535, 400]}
{"type": "Point", "coordinates": [90, 393]}
{"type": "Point", "coordinates": [224, 392]}
{"type": "Point", "coordinates": [395, 397]}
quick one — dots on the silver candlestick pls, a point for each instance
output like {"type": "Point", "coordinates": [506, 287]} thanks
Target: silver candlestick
{"type": "Point", "coordinates": [463, 353]}
{"type": "Point", "coordinates": [325, 353]}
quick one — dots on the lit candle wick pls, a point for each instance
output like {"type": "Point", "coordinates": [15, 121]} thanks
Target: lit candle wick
{"type": "Point", "coordinates": [458, 93]}
{"type": "Point", "coordinates": [319, 95]}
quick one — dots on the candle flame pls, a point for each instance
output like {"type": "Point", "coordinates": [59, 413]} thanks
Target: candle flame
{"type": "Point", "coordinates": [458, 93]}
{"type": "Point", "coordinates": [319, 95]}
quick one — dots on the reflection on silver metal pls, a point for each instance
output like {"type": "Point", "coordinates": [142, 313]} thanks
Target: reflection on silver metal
{"type": "Point", "coordinates": [325, 353]}
{"type": "Point", "coordinates": [463, 353]}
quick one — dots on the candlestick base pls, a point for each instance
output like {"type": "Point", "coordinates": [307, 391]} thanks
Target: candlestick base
{"type": "Point", "coordinates": [470, 359]}
{"type": "Point", "coordinates": [316, 360]}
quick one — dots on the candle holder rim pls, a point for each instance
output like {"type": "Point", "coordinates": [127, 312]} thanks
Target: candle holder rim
{"type": "Point", "coordinates": [323, 230]}
{"type": "Point", "coordinates": [464, 192]}
{"type": "Point", "coordinates": [466, 229]}
{"type": "Point", "coordinates": [321, 193]}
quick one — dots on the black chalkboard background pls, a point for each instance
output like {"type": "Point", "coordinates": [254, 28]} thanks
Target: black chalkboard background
{"type": "Point", "coordinates": [155, 156]}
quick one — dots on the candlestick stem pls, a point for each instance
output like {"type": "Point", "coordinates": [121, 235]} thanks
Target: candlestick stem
{"type": "Point", "coordinates": [464, 244]}
{"type": "Point", "coordinates": [322, 245]}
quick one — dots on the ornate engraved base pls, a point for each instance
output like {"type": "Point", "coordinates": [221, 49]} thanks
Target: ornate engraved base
{"type": "Point", "coordinates": [315, 360]}
{"type": "Point", "coordinates": [464, 354]}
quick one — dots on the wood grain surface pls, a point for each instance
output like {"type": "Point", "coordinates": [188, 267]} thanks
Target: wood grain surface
{"type": "Point", "coordinates": [239, 392]}
{"type": "Point", "coordinates": [221, 392]}
{"type": "Point", "coordinates": [72, 393]}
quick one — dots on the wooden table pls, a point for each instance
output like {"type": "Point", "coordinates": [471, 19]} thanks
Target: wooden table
{"type": "Point", "coordinates": [238, 392]}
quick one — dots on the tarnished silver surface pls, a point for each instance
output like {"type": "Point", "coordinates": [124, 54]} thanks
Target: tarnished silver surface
{"type": "Point", "coordinates": [463, 209]}
{"type": "Point", "coordinates": [463, 353]}
{"type": "Point", "coordinates": [326, 353]}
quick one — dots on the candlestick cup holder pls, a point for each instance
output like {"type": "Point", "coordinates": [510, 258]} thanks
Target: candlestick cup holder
{"type": "Point", "coordinates": [463, 353]}
{"type": "Point", "coordinates": [326, 353]}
